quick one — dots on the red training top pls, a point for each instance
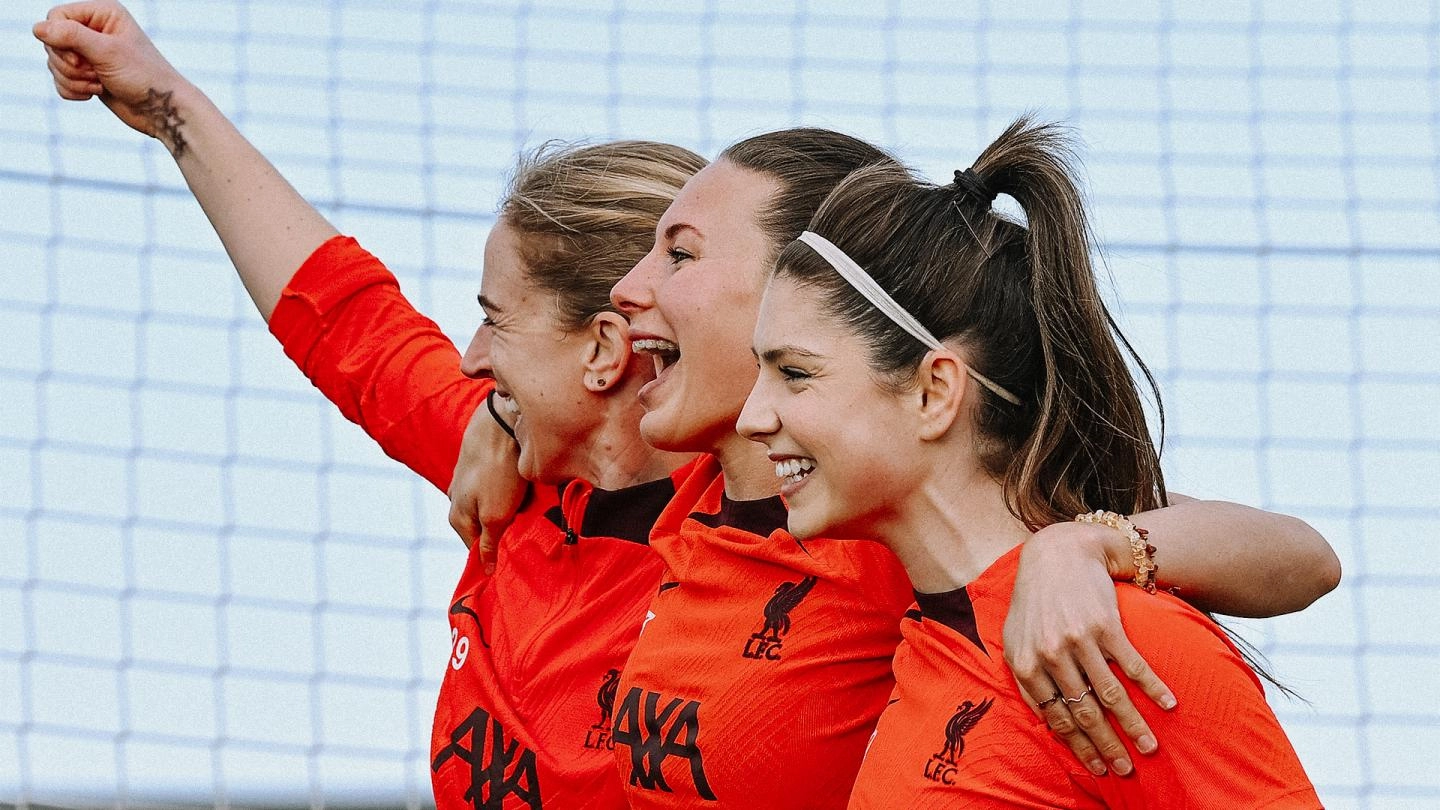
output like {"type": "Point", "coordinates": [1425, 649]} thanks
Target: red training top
{"type": "Point", "coordinates": [525, 710]}
{"type": "Point", "coordinates": [389, 369]}
{"type": "Point", "coordinates": [522, 718]}
{"type": "Point", "coordinates": [764, 661]}
{"type": "Point", "coordinates": [958, 734]}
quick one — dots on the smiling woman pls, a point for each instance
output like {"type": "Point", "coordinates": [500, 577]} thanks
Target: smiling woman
{"type": "Point", "coordinates": [528, 675]}
{"type": "Point", "coordinates": [982, 390]}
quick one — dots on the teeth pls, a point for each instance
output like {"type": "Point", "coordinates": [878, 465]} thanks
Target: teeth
{"type": "Point", "coordinates": [654, 346]}
{"type": "Point", "coordinates": [665, 352]}
{"type": "Point", "coordinates": [508, 404]}
{"type": "Point", "coordinates": [793, 469]}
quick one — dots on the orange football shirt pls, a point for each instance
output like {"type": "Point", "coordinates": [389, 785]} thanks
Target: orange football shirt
{"type": "Point", "coordinates": [958, 734]}
{"type": "Point", "coordinates": [764, 661]}
{"type": "Point", "coordinates": [524, 712]}
{"type": "Point", "coordinates": [343, 320]}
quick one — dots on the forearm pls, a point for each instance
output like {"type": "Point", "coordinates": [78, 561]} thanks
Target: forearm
{"type": "Point", "coordinates": [1232, 559]}
{"type": "Point", "coordinates": [267, 228]}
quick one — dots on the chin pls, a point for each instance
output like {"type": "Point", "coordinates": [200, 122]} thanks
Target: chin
{"type": "Point", "coordinates": [661, 434]}
{"type": "Point", "coordinates": [804, 524]}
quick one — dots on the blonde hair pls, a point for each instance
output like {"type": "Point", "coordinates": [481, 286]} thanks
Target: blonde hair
{"type": "Point", "coordinates": [586, 214]}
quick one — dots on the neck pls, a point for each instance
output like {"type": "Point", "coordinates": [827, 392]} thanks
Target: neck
{"type": "Point", "coordinates": [954, 526]}
{"type": "Point", "coordinates": [749, 473]}
{"type": "Point", "coordinates": [616, 457]}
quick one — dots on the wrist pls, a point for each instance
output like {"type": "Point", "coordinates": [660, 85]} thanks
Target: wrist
{"type": "Point", "coordinates": [1084, 541]}
{"type": "Point", "coordinates": [169, 110]}
{"type": "Point", "coordinates": [1128, 553]}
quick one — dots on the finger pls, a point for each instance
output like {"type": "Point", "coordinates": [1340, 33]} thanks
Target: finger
{"type": "Point", "coordinates": [462, 520]}
{"type": "Point", "coordinates": [487, 552]}
{"type": "Point", "coordinates": [496, 528]}
{"type": "Point", "coordinates": [68, 35]}
{"type": "Point", "coordinates": [59, 66]}
{"type": "Point", "coordinates": [1119, 648]}
{"type": "Point", "coordinates": [1036, 685]}
{"type": "Point", "coordinates": [1112, 697]}
{"type": "Point", "coordinates": [1057, 716]}
{"type": "Point", "coordinates": [69, 57]}
{"type": "Point", "coordinates": [71, 91]}
{"type": "Point", "coordinates": [83, 12]}
{"type": "Point", "coordinates": [1079, 715]}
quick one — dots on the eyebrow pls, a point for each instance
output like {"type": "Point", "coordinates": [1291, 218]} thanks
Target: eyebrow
{"type": "Point", "coordinates": [774, 355]}
{"type": "Point", "coordinates": [682, 226]}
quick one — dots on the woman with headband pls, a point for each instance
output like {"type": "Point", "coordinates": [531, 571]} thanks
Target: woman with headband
{"type": "Point", "coordinates": [524, 711]}
{"type": "Point", "coordinates": [948, 381]}
{"type": "Point", "coordinates": [765, 660]}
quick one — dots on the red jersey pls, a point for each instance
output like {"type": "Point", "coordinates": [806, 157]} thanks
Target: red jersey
{"type": "Point", "coordinates": [522, 719]}
{"type": "Point", "coordinates": [525, 712]}
{"type": "Point", "coordinates": [343, 320]}
{"type": "Point", "coordinates": [764, 661]}
{"type": "Point", "coordinates": [958, 734]}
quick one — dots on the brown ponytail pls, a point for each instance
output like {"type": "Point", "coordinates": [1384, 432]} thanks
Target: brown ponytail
{"type": "Point", "coordinates": [1090, 447]}
{"type": "Point", "coordinates": [1021, 300]}
{"type": "Point", "coordinates": [1023, 303]}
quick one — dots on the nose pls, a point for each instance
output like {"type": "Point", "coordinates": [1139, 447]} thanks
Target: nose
{"type": "Point", "coordinates": [758, 420]}
{"type": "Point", "coordinates": [475, 363]}
{"type": "Point", "coordinates": [635, 292]}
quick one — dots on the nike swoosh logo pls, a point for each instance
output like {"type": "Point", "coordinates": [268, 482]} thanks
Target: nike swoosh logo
{"type": "Point", "coordinates": [460, 607]}
{"type": "Point", "coordinates": [665, 586]}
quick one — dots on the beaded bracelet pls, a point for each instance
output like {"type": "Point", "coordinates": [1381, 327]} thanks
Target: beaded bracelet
{"type": "Point", "coordinates": [1140, 549]}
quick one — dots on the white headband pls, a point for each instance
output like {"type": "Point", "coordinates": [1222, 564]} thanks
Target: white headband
{"type": "Point", "coordinates": [876, 295]}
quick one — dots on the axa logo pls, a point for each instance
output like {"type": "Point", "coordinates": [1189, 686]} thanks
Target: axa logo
{"type": "Point", "coordinates": [655, 733]}
{"type": "Point", "coordinates": [942, 766]}
{"type": "Point", "coordinates": [598, 735]}
{"type": "Point", "coordinates": [499, 766]}
{"type": "Point", "coordinates": [767, 641]}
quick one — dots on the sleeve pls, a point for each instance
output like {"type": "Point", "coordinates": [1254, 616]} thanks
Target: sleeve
{"type": "Point", "coordinates": [1221, 746]}
{"type": "Point", "coordinates": [343, 320]}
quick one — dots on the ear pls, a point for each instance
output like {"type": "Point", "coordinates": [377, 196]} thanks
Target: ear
{"type": "Point", "coordinates": [940, 388]}
{"type": "Point", "coordinates": [607, 352]}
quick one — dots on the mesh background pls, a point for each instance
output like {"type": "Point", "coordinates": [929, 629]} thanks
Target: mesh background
{"type": "Point", "coordinates": [213, 589]}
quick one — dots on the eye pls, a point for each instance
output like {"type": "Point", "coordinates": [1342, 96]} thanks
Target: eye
{"type": "Point", "coordinates": [792, 373]}
{"type": "Point", "coordinates": [678, 255]}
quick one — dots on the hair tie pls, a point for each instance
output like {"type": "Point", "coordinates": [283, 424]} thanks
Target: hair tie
{"type": "Point", "coordinates": [970, 184]}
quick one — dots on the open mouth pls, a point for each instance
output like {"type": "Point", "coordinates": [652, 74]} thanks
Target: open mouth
{"type": "Point", "coordinates": [508, 410]}
{"type": "Point", "coordinates": [506, 404]}
{"type": "Point", "coordinates": [792, 471]}
{"type": "Point", "coordinates": [665, 353]}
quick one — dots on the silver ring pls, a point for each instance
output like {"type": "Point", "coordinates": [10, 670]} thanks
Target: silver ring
{"type": "Point", "coordinates": [1078, 697]}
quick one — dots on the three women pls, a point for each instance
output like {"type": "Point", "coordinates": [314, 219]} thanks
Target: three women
{"type": "Point", "coordinates": [763, 661]}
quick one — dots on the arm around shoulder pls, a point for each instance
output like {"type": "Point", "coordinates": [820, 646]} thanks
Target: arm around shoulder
{"type": "Point", "coordinates": [1236, 560]}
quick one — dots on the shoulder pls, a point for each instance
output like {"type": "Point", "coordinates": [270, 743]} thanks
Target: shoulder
{"type": "Point", "coordinates": [1176, 638]}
